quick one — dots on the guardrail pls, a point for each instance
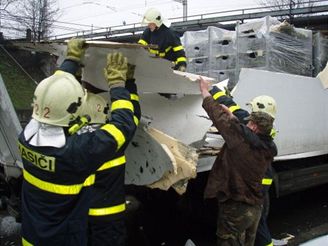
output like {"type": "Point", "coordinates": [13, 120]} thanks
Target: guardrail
{"type": "Point", "coordinates": [202, 20]}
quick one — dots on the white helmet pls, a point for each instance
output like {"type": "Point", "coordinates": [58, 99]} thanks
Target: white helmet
{"type": "Point", "coordinates": [264, 104]}
{"type": "Point", "coordinates": [57, 99]}
{"type": "Point", "coordinates": [152, 15]}
{"type": "Point", "coordinates": [96, 107]}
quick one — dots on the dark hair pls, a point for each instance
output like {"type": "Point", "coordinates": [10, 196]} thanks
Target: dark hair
{"type": "Point", "coordinates": [263, 121]}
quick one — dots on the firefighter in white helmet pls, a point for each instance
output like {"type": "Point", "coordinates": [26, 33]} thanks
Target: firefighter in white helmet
{"type": "Point", "coordinates": [240, 168]}
{"type": "Point", "coordinates": [163, 41]}
{"type": "Point", "coordinates": [108, 205]}
{"type": "Point", "coordinates": [59, 165]}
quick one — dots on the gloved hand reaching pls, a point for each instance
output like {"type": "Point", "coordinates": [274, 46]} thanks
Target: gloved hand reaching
{"type": "Point", "coordinates": [116, 69]}
{"type": "Point", "coordinates": [76, 49]}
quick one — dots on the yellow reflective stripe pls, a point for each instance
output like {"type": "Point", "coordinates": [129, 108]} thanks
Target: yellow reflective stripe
{"type": "Point", "coordinates": [161, 54]}
{"type": "Point", "coordinates": [218, 95]}
{"type": "Point", "coordinates": [134, 97]}
{"type": "Point", "coordinates": [234, 108]}
{"type": "Point", "coordinates": [153, 51]}
{"type": "Point", "coordinates": [107, 211]}
{"type": "Point", "coordinates": [25, 242]}
{"type": "Point", "coordinates": [168, 49]}
{"type": "Point", "coordinates": [270, 244]}
{"type": "Point", "coordinates": [136, 120]}
{"type": "Point", "coordinates": [113, 163]}
{"type": "Point", "coordinates": [122, 104]}
{"type": "Point", "coordinates": [266, 181]}
{"type": "Point", "coordinates": [181, 59]}
{"type": "Point", "coordinates": [57, 188]}
{"type": "Point", "coordinates": [89, 180]}
{"type": "Point", "coordinates": [116, 133]}
{"type": "Point", "coordinates": [142, 42]}
{"type": "Point", "coordinates": [177, 48]}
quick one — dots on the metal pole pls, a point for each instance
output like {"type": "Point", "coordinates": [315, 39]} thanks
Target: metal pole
{"type": "Point", "coordinates": [185, 9]}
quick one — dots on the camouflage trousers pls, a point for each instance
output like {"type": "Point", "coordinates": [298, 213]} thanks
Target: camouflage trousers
{"type": "Point", "coordinates": [237, 223]}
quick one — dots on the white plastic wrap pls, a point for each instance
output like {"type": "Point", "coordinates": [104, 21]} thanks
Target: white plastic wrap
{"type": "Point", "coordinates": [320, 50]}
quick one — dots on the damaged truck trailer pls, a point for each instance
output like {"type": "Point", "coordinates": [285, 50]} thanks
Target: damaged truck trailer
{"type": "Point", "coordinates": [175, 131]}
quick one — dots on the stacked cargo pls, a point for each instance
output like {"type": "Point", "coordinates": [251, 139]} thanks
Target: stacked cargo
{"type": "Point", "coordinates": [223, 53]}
{"type": "Point", "coordinates": [266, 44]}
{"type": "Point", "coordinates": [210, 52]}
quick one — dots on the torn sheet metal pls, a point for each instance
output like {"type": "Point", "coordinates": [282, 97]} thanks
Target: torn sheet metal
{"type": "Point", "coordinates": [152, 74]}
{"type": "Point", "coordinates": [146, 159]}
{"type": "Point", "coordinates": [9, 127]}
{"type": "Point", "coordinates": [302, 109]}
{"type": "Point", "coordinates": [183, 118]}
{"type": "Point", "coordinates": [186, 161]}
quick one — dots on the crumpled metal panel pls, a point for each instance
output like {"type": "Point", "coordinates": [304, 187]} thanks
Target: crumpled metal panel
{"type": "Point", "coordinates": [9, 127]}
{"type": "Point", "coordinates": [146, 159]}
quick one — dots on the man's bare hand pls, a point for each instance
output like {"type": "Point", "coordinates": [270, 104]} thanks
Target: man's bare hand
{"type": "Point", "coordinates": [203, 87]}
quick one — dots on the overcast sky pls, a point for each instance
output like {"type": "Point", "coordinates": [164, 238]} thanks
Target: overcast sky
{"type": "Point", "coordinates": [105, 13]}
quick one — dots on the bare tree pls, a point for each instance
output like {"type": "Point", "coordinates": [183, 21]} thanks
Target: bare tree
{"type": "Point", "coordinates": [37, 16]}
{"type": "Point", "coordinates": [4, 4]}
{"type": "Point", "coordinates": [287, 5]}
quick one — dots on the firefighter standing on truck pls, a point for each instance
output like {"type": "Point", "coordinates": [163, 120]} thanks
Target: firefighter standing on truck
{"type": "Point", "coordinates": [108, 205]}
{"type": "Point", "coordinates": [59, 165]}
{"type": "Point", "coordinates": [159, 34]}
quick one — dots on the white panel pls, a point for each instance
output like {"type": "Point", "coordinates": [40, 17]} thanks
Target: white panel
{"type": "Point", "coordinates": [302, 108]}
{"type": "Point", "coordinates": [181, 118]}
{"type": "Point", "coordinates": [153, 74]}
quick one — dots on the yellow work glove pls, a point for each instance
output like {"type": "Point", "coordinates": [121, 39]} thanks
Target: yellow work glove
{"type": "Point", "coordinates": [116, 69]}
{"type": "Point", "coordinates": [76, 49]}
{"type": "Point", "coordinates": [182, 68]}
{"type": "Point", "coordinates": [130, 72]}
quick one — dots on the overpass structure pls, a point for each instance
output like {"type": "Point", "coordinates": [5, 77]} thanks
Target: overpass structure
{"type": "Point", "coordinates": [312, 17]}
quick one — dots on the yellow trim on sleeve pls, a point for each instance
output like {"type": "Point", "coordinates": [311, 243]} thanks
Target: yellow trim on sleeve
{"type": "Point", "coordinates": [218, 95]}
{"type": "Point", "coordinates": [134, 97]}
{"type": "Point", "coordinates": [177, 48]}
{"type": "Point", "coordinates": [122, 104]}
{"type": "Point", "coordinates": [181, 59]}
{"type": "Point", "coordinates": [136, 120]}
{"type": "Point", "coordinates": [113, 163]}
{"type": "Point", "coordinates": [234, 108]}
{"type": "Point", "coordinates": [142, 42]}
{"type": "Point", "coordinates": [116, 133]}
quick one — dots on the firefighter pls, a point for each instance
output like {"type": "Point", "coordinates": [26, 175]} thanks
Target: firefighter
{"type": "Point", "coordinates": [59, 165]}
{"type": "Point", "coordinates": [222, 96]}
{"type": "Point", "coordinates": [108, 205]}
{"type": "Point", "coordinates": [159, 34]}
{"type": "Point", "coordinates": [237, 173]}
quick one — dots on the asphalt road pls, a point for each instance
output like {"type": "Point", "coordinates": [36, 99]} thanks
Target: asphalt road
{"type": "Point", "coordinates": [303, 215]}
